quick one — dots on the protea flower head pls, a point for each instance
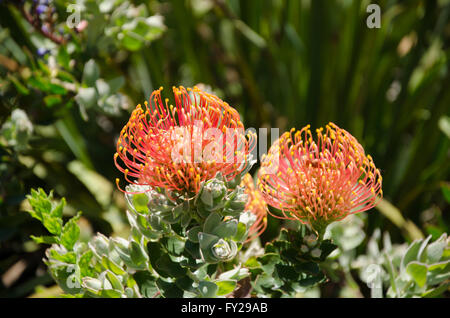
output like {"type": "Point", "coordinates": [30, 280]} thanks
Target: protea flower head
{"type": "Point", "coordinates": [256, 205]}
{"type": "Point", "coordinates": [179, 147]}
{"type": "Point", "coordinates": [318, 182]}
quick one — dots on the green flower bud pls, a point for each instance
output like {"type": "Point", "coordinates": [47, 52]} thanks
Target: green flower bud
{"type": "Point", "coordinates": [213, 192]}
{"type": "Point", "coordinates": [221, 249]}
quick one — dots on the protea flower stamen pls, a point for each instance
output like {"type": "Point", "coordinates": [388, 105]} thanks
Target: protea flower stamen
{"type": "Point", "coordinates": [318, 182]}
{"type": "Point", "coordinates": [179, 147]}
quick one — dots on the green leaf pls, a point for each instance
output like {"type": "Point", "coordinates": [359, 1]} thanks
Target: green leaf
{"type": "Point", "coordinates": [63, 56]}
{"type": "Point", "coordinates": [225, 287]}
{"type": "Point", "coordinates": [252, 263]}
{"type": "Point", "coordinates": [436, 292]}
{"type": "Point", "coordinates": [167, 268]}
{"type": "Point", "coordinates": [69, 257]}
{"type": "Point", "coordinates": [251, 35]}
{"type": "Point", "coordinates": [114, 280]}
{"type": "Point", "coordinates": [193, 234]}
{"type": "Point", "coordinates": [113, 267]}
{"type": "Point", "coordinates": [70, 233]}
{"type": "Point", "coordinates": [236, 273]}
{"type": "Point", "coordinates": [86, 97]}
{"type": "Point", "coordinates": [76, 142]}
{"type": "Point", "coordinates": [169, 290]}
{"type": "Point", "coordinates": [187, 284]}
{"type": "Point", "coordinates": [193, 249]}
{"type": "Point", "coordinates": [156, 222]}
{"type": "Point", "coordinates": [52, 100]}
{"type": "Point", "coordinates": [392, 273]}
{"type": "Point", "coordinates": [56, 89]}
{"type": "Point", "coordinates": [206, 242]}
{"type": "Point", "coordinates": [438, 273]}
{"type": "Point", "coordinates": [138, 255]}
{"type": "Point", "coordinates": [175, 246]}
{"type": "Point", "coordinates": [84, 264]}
{"type": "Point", "coordinates": [110, 293]}
{"type": "Point", "coordinates": [115, 84]}
{"type": "Point", "coordinates": [92, 284]}
{"type": "Point", "coordinates": [99, 245]}
{"type": "Point", "coordinates": [211, 222]}
{"type": "Point", "coordinates": [268, 261]}
{"type": "Point", "coordinates": [422, 254]}
{"type": "Point", "coordinates": [418, 272]}
{"type": "Point", "coordinates": [446, 191]}
{"type": "Point", "coordinates": [436, 249]}
{"type": "Point", "coordinates": [286, 273]}
{"type": "Point", "coordinates": [226, 229]}
{"type": "Point", "coordinates": [45, 239]}
{"type": "Point", "coordinates": [444, 125]}
{"type": "Point", "coordinates": [411, 253]}
{"type": "Point", "coordinates": [91, 73]}
{"type": "Point", "coordinates": [241, 232]}
{"type": "Point", "coordinates": [40, 203]}
{"type": "Point", "coordinates": [52, 224]}
{"type": "Point", "coordinates": [207, 289]}
{"type": "Point", "coordinates": [131, 41]}
{"type": "Point", "coordinates": [145, 227]}
{"type": "Point", "coordinates": [140, 203]}
{"type": "Point", "coordinates": [147, 284]}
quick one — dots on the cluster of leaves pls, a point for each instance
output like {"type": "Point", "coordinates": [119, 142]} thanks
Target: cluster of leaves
{"type": "Point", "coordinates": [61, 79]}
{"type": "Point", "coordinates": [109, 26]}
{"type": "Point", "coordinates": [421, 269]}
{"type": "Point", "coordinates": [16, 131]}
{"type": "Point", "coordinates": [178, 247]}
{"type": "Point", "coordinates": [165, 255]}
{"type": "Point", "coordinates": [291, 263]}
{"type": "Point", "coordinates": [127, 26]}
{"type": "Point", "coordinates": [408, 87]}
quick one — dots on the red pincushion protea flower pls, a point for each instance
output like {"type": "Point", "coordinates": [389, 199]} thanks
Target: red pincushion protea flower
{"type": "Point", "coordinates": [179, 147]}
{"type": "Point", "coordinates": [255, 205]}
{"type": "Point", "coordinates": [318, 182]}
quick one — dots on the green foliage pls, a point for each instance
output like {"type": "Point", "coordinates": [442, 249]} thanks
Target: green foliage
{"type": "Point", "coordinates": [271, 60]}
{"type": "Point", "coordinates": [156, 255]}
{"type": "Point", "coordinates": [291, 264]}
{"type": "Point", "coordinates": [421, 269]}
{"type": "Point", "coordinates": [424, 269]}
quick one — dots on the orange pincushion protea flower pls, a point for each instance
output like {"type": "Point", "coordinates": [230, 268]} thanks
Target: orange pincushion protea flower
{"type": "Point", "coordinates": [255, 205]}
{"type": "Point", "coordinates": [180, 147]}
{"type": "Point", "coordinates": [318, 182]}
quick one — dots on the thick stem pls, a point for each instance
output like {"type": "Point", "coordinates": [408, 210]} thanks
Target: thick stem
{"type": "Point", "coordinates": [319, 228]}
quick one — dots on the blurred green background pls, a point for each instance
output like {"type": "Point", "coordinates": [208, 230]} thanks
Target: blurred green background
{"type": "Point", "coordinates": [65, 94]}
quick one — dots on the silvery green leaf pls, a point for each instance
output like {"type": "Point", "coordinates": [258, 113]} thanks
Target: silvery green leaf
{"type": "Point", "coordinates": [225, 287]}
{"type": "Point", "coordinates": [115, 281]}
{"type": "Point", "coordinates": [91, 73]}
{"type": "Point", "coordinates": [99, 245]}
{"type": "Point", "coordinates": [422, 253]}
{"type": "Point", "coordinates": [411, 254]}
{"type": "Point", "coordinates": [86, 97]}
{"type": "Point", "coordinates": [236, 273]}
{"type": "Point", "coordinates": [92, 284]}
{"type": "Point", "coordinates": [226, 229]}
{"type": "Point", "coordinates": [418, 271]}
{"type": "Point", "coordinates": [193, 234]}
{"type": "Point", "coordinates": [206, 242]}
{"type": "Point", "coordinates": [129, 293]}
{"type": "Point", "coordinates": [137, 253]}
{"type": "Point", "coordinates": [436, 249]}
{"type": "Point", "coordinates": [112, 266]}
{"type": "Point", "coordinates": [211, 222]}
{"type": "Point", "coordinates": [207, 289]}
{"type": "Point", "coordinates": [102, 87]}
